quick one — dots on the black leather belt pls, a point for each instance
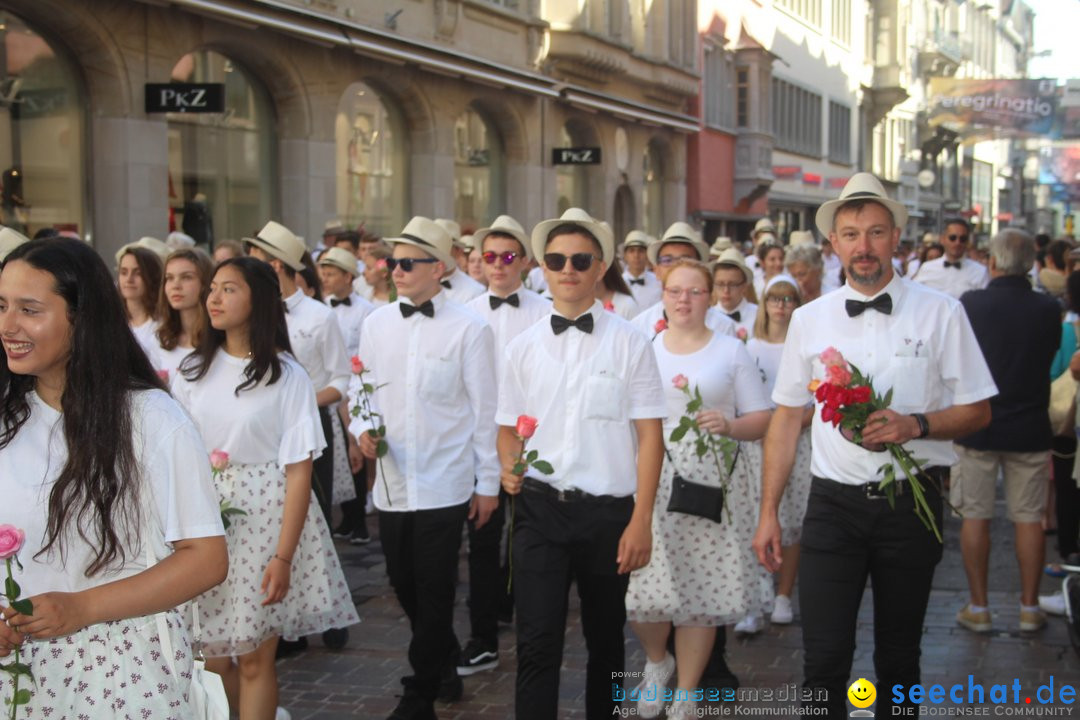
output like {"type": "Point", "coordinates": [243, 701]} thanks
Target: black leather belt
{"type": "Point", "coordinates": [540, 487]}
{"type": "Point", "coordinates": [930, 476]}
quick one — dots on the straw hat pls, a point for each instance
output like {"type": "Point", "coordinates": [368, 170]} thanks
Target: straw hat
{"type": "Point", "coordinates": [280, 242]}
{"type": "Point", "coordinates": [146, 243]}
{"type": "Point", "coordinates": [179, 241]}
{"type": "Point", "coordinates": [452, 229]}
{"type": "Point", "coordinates": [719, 245]}
{"type": "Point", "coordinates": [575, 216]}
{"type": "Point", "coordinates": [733, 258]}
{"type": "Point", "coordinates": [679, 232]}
{"type": "Point", "coordinates": [340, 258]}
{"type": "Point", "coordinates": [637, 238]}
{"type": "Point", "coordinates": [763, 225]}
{"type": "Point", "coordinates": [861, 186]}
{"type": "Point", "coordinates": [9, 240]}
{"type": "Point", "coordinates": [507, 226]}
{"type": "Point", "coordinates": [801, 237]}
{"type": "Point", "coordinates": [430, 236]}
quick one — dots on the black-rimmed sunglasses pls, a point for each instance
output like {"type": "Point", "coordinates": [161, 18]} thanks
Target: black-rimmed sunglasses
{"type": "Point", "coordinates": [506, 257]}
{"type": "Point", "coordinates": [407, 264]}
{"type": "Point", "coordinates": [579, 261]}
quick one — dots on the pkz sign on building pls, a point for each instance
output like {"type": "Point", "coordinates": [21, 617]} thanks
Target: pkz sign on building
{"type": "Point", "coordinates": [575, 156]}
{"type": "Point", "coordinates": [185, 97]}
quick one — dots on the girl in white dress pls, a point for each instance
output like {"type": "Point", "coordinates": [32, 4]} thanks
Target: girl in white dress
{"type": "Point", "coordinates": [702, 573]}
{"type": "Point", "coordinates": [251, 399]}
{"type": "Point", "coordinates": [97, 464]}
{"type": "Point", "coordinates": [766, 347]}
{"type": "Point", "coordinates": [378, 285]}
{"type": "Point", "coordinates": [139, 281]}
{"type": "Point", "coordinates": [182, 307]}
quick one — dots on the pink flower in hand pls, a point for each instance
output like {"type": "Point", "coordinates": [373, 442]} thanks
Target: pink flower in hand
{"type": "Point", "coordinates": [742, 334]}
{"type": "Point", "coordinates": [831, 356]}
{"type": "Point", "coordinates": [11, 541]}
{"type": "Point", "coordinates": [526, 426]}
{"type": "Point", "coordinates": [219, 460]}
{"type": "Point", "coordinates": [839, 375]}
{"type": "Point", "coordinates": [660, 326]}
{"type": "Point", "coordinates": [357, 365]}
{"type": "Point", "coordinates": [680, 382]}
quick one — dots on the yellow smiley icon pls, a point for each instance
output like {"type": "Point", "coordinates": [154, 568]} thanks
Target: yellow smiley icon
{"type": "Point", "coordinates": [862, 693]}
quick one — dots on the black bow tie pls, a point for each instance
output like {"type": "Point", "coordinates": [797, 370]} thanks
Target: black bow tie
{"type": "Point", "coordinates": [559, 324]}
{"type": "Point", "coordinates": [736, 316]}
{"type": "Point", "coordinates": [637, 281]}
{"type": "Point", "coordinates": [424, 308]}
{"type": "Point", "coordinates": [953, 264]}
{"type": "Point", "coordinates": [445, 284]}
{"type": "Point", "coordinates": [511, 299]}
{"type": "Point", "coordinates": [882, 303]}
{"type": "Point", "coordinates": [334, 302]}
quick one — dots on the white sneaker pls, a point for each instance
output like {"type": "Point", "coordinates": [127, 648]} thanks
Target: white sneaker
{"type": "Point", "coordinates": [781, 612]}
{"type": "Point", "coordinates": [654, 680]}
{"type": "Point", "coordinates": [369, 505]}
{"type": "Point", "coordinates": [749, 625]}
{"type": "Point", "coordinates": [282, 714]}
{"type": "Point", "coordinates": [1052, 604]}
{"type": "Point", "coordinates": [682, 710]}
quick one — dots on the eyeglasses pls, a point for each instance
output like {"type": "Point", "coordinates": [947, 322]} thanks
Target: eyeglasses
{"type": "Point", "coordinates": [507, 257]}
{"type": "Point", "coordinates": [579, 261]}
{"type": "Point", "coordinates": [729, 285]}
{"type": "Point", "coordinates": [406, 264]}
{"type": "Point", "coordinates": [677, 292]}
{"type": "Point", "coordinates": [961, 238]}
{"type": "Point", "coordinates": [780, 300]}
{"type": "Point", "coordinates": [668, 259]}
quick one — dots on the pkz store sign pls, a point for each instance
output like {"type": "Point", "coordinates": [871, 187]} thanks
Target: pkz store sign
{"type": "Point", "coordinates": [575, 156]}
{"type": "Point", "coordinates": [185, 98]}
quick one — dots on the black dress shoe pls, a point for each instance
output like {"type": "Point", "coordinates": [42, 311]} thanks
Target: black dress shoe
{"type": "Point", "coordinates": [335, 638]}
{"type": "Point", "coordinates": [412, 706]}
{"type": "Point", "coordinates": [288, 648]}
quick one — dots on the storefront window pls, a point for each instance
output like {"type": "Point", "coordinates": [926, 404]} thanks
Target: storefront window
{"type": "Point", "coordinates": [42, 169]}
{"type": "Point", "coordinates": [652, 194]}
{"type": "Point", "coordinates": [221, 165]}
{"type": "Point", "coordinates": [479, 172]}
{"type": "Point", "coordinates": [571, 181]}
{"type": "Point", "coordinates": [371, 163]}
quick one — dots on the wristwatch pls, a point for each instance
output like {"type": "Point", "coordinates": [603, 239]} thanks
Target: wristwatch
{"type": "Point", "coordinates": [924, 426]}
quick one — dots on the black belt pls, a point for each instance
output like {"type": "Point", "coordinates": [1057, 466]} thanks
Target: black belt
{"type": "Point", "coordinates": [570, 495]}
{"type": "Point", "coordinates": [872, 490]}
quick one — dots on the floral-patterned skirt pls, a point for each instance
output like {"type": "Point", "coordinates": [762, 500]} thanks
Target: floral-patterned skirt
{"type": "Point", "coordinates": [796, 494]}
{"type": "Point", "coordinates": [702, 573]}
{"type": "Point", "coordinates": [113, 669]}
{"type": "Point", "coordinates": [344, 488]}
{"type": "Point", "coordinates": [234, 620]}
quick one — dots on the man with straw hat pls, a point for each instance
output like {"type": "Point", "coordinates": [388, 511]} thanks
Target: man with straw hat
{"type": "Point", "coordinates": [459, 286]}
{"type": "Point", "coordinates": [642, 282]}
{"type": "Point", "coordinates": [733, 281]}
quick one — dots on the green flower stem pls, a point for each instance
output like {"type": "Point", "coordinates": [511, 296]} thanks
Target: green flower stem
{"type": "Point", "coordinates": [15, 696]}
{"type": "Point", "coordinates": [377, 433]}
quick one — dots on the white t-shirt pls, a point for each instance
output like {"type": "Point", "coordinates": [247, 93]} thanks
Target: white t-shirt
{"type": "Point", "coordinates": [169, 360]}
{"type": "Point", "coordinates": [265, 423]}
{"type": "Point", "coordinates": [715, 320]}
{"type": "Point", "coordinates": [767, 357]}
{"type": "Point", "coordinates": [177, 494]}
{"type": "Point", "coordinates": [722, 371]}
{"type": "Point", "coordinates": [146, 334]}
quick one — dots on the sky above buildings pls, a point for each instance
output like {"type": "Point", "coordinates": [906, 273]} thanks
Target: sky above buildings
{"type": "Point", "coordinates": [1056, 24]}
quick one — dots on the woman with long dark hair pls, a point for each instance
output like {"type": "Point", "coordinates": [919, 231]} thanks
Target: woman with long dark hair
{"type": "Point", "coordinates": [251, 399]}
{"type": "Point", "coordinates": [182, 308]}
{"type": "Point", "coordinates": [139, 281]}
{"type": "Point", "coordinates": [614, 293]}
{"type": "Point", "coordinates": [100, 468]}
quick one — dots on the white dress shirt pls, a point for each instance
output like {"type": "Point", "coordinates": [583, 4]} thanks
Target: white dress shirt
{"type": "Point", "coordinates": [625, 306]}
{"type": "Point", "coordinates": [361, 287]}
{"type": "Point", "coordinates": [317, 342]}
{"type": "Point", "coordinates": [507, 322]}
{"type": "Point", "coordinates": [715, 320]}
{"type": "Point", "coordinates": [535, 280]}
{"type": "Point", "coordinates": [970, 276]}
{"type": "Point", "coordinates": [585, 390]}
{"type": "Point", "coordinates": [830, 278]}
{"type": "Point", "coordinates": [350, 317]}
{"type": "Point", "coordinates": [925, 350]}
{"type": "Point", "coordinates": [647, 294]}
{"type": "Point", "coordinates": [462, 287]}
{"type": "Point", "coordinates": [747, 314]}
{"type": "Point", "coordinates": [437, 398]}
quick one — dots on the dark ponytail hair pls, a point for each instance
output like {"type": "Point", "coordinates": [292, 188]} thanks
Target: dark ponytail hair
{"type": "Point", "coordinates": [97, 491]}
{"type": "Point", "coordinates": [266, 328]}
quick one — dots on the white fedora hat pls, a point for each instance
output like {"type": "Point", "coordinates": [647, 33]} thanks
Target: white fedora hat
{"type": "Point", "coordinates": [801, 237]}
{"type": "Point", "coordinates": [763, 225]}
{"type": "Point", "coordinates": [430, 236]}
{"type": "Point", "coordinates": [575, 216]}
{"type": "Point", "coordinates": [179, 241]}
{"type": "Point", "coordinates": [679, 232]}
{"type": "Point", "coordinates": [452, 229]}
{"type": "Point", "coordinates": [504, 225]}
{"type": "Point", "coordinates": [719, 245]}
{"type": "Point", "coordinates": [733, 258]}
{"type": "Point", "coordinates": [340, 258]}
{"type": "Point", "coordinates": [280, 242]}
{"type": "Point", "coordinates": [146, 243]}
{"type": "Point", "coordinates": [637, 238]}
{"type": "Point", "coordinates": [9, 240]}
{"type": "Point", "coordinates": [861, 186]}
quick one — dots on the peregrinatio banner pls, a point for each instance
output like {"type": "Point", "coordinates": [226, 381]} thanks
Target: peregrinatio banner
{"type": "Point", "coordinates": [973, 107]}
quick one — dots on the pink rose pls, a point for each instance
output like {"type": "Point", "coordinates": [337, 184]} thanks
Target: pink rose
{"type": "Point", "coordinates": [660, 326]}
{"type": "Point", "coordinates": [11, 541]}
{"type": "Point", "coordinates": [219, 460]}
{"type": "Point", "coordinates": [609, 306]}
{"type": "Point", "coordinates": [357, 365]}
{"type": "Point", "coordinates": [831, 356]}
{"type": "Point", "coordinates": [838, 375]}
{"type": "Point", "coordinates": [680, 382]}
{"type": "Point", "coordinates": [742, 334]}
{"type": "Point", "coordinates": [381, 263]}
{"type": "Point", "coordinates": [526, 426]}
{"type": "Point", "coordinates": [164, 375]}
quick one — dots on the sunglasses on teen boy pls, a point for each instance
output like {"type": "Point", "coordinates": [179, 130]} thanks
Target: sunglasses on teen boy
{"type": "Point", "coordinates": [579, 261]}
{"type": "Point", "coordinates": [506, 258]}
{"type": "Point", "coordinates": [407, 264]}
{"type": "Point", "coordinates": [961, 238]}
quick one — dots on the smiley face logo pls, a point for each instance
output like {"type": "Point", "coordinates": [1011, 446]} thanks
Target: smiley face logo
{"type": "Point", "coordinates": [862, 693]}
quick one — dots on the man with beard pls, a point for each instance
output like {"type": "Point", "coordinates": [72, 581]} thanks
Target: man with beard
{"type": "Point", "coordinates": [918, 342]}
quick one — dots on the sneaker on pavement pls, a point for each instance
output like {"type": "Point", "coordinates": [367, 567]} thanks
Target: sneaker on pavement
{"type": "Point", "coordinates": [282, 714]}
{"type": "Point", "coordinates": [682, 710]}
{"type": "Point", "coordinates": [654, 680]}
{"type": "Point", "coordinates": [1052, 604]}
{"type": "Point", "coordinates": [1032, 620]}
{"type": "Point", "coordinates": [343, 530]}
{"type": "Point", "coordinates": [369, 505]}
{"type": "Point", "coordinates": [359, 537]}
{"type": "Point", "coordinates": [974, 621]}
{"type": "Point", "coordinates": [750, 625]}
{"type": "Point", "coordinates": [782, 613]}
{"type": "Point", "coordinates": [477, 657]}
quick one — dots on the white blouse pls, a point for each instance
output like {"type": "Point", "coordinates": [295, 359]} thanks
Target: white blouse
{"type": "Point", "coordinates": [169, 360]}
{"type": "Point", "coordinates": [146, 334]}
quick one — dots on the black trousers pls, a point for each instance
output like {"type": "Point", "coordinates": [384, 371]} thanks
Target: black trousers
{"type": "Point", "coordinates": [1066, 496]}
{"type": "Point", "coordinates": [421, 550]}
{"type": "Point", "coordinates": [487, 580]}
{"type": "Point", "coordinates": [847, 538]}
{"type": "Point", "coordinates": [554, 543]}
{"type": "Point", "coordinates": [322, 480]}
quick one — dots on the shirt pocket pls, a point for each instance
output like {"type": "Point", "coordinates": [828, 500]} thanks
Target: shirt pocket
{"type": "Point", "coordinates": [910, 378]}
{"type": "Point", "coordinates": [440, 378]}
{"type": "Point", "coordinates": [605, 398]}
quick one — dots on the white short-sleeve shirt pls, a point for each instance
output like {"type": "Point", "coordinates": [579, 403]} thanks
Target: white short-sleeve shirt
{"type": "Point", "coordinates": [953, 281]}
{"type": "Point", "coordinates": [146, 335]}
{"type": "Point", "coordinates": [350, 317]}
{"type": "Point", "coordinates": [168, 361]}
{"type": "Point", "coordinates": [177, 495]}
{"type": "Point", "coordinates": [317, 343]}
{"type": "Point", "coordinates": [925, 350]}
{"type": "Point", "coordinates": [767, 357]}
{"type": "Point", "coordinates": [507, 321]}
{"type": "Point", "coordinates": [462, 287]}
{"type": "Point", "coordinates": [585, 390]}
{"type": "Point", "coordinates": [265, 423]}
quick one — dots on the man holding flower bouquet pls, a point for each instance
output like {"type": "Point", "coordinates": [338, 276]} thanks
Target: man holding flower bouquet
{"type": "Point", "coordinates": [903, 361]}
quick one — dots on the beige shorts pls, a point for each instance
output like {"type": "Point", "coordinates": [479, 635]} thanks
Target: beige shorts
{"type": "Point", "coordinates": [974, 481]}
